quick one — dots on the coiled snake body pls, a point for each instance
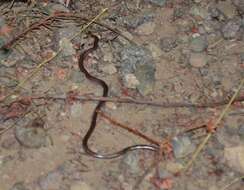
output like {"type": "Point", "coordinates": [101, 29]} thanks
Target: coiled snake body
{"type": "Point", "coordinates": [92, 127]}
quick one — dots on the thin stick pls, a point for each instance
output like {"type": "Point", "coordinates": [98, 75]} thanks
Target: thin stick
{"type": "Point", "coordinates": [233, 182]}
{"type": "Point", "coordinates": [209, 135]}
{"type": "Point", "coordinates": [132, 130]}
{"type": "Point", "coordinates": [49, 59]}
{"type": "Point", "coordinates": [91, 22]}
{"type": "Point", "coordinates": [141, 102]}
{"type": "Point", "coordinates": [36, 70]}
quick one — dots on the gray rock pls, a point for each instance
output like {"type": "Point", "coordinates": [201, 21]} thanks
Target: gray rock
{"type": "Point", "coordinates": [138, 60]}
{"type": "Point", "coordinates": [231, 29]}
{"type": "Point", "coordinates": [157, 2]}
{"type": "Point", "coordinates": [241, 131]}
{"type": "Point", "coordinates": [3, 54]}
{"type": "Point", "coordinates": [215, 13]}
{"type": "Point", "coordinates": [146, 76]}
{"type": "Point", "coordinates": [239, 5]}
{"type": "Point", "coordinates": [204, 71]}
{"type": "Point", "coordinates": [133, 21]}
{"type": "Point", "coordinates": [242, 57]}
{"type": "Point", "coordinates": [133, 56]}
{"type": "Point", "coordinates": [19, 186]}
{"type": "Point", "coordinates": [182, 146]}
{"type": "Point", "coordinates": [198, 44]}
{"type": "Point", "coordinates": [131, 163]}
{"type": "Point", "coordinates": [227, 8]}
{"type": "Point", "coordinates": [33, 136]}
{"type": "Point", "coordinates": [168, 43]}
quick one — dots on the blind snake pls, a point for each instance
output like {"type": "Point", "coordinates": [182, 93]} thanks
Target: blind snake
{"type": "Point", "coordinates": [100, 104]}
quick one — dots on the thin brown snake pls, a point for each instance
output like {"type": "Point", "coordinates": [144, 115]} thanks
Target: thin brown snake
{"type": "Point", "coordinates": [92, 127]}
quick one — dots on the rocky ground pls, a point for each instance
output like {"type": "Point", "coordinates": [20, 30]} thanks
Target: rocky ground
{"type": "Point", "coordinates": [188, 51]}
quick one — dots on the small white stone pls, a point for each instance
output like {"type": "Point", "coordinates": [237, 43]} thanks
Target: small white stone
{"type": "Point", "coordinates": [174, 167]}
{"type": "Point", "coordinates": [108, 57]}
{"type": "Point", "coordinates": [111, 105]}
{"type": "Point", "coordinates": [131, 81]}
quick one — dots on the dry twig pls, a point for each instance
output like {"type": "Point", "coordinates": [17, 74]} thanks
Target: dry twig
{"type": "Point", "coordinates": [209, 135]}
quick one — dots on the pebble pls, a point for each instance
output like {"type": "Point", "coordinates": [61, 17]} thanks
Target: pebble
{"type": "Point", "coordinates": [131, 56]}
{"type": "Point", "coordinates": [131, 81]}
{"type": "Point", "coordinates": [168, 43]}
{"type": "Point", "coordinates": [231, 29]}
{"type": "Point", "coordinates": [197, 11]}
{"type": "Point", "coordinates": [182, 146]}
{"type": "Point", "coordinates": [227, 8]}
{"type": "Point", "coordinates": [146, 77]}
{"type": "Point", "coordinates": [137, 68]}
{"type": "Point", "coordinates": [198, 60]}
{"type": "Point", "coordinates": [146, 28]}
{"type": "Point", "coordinates": [239, 5]}
{"type": "Point", "coordinates": [3, 54]}
{"type": "Point", "coordinates": [215, 13]}
{"type": "Point", "coordinates": [241, 131]}
{"type": "Point", "coordinates": [135, 21]}
{"type": "Point", "coordinates": [157, 2]}
{"type": "Point", "coordinates": [33, 135]}
{"type": "Point", "coordinates": [198, 44]}
{"type": "Point", "coordinates": [234, 157]}
{"type": "Point", "coordinates": [19, 186]}
{"type": "Point", "coordinates": [80, 186]}
{"type": "Point", "coordinates": [173, 167]}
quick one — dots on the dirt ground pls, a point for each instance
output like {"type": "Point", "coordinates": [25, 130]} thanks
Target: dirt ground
{"type": "Point", "coordinates": [179, 51]}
